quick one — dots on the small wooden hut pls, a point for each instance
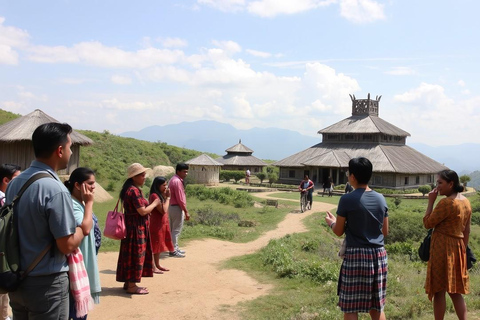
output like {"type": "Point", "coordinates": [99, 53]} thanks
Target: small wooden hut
{"type": "Point", "coordinates": [16, 136]}
{"type": "Point", "coordinates": [204, 170]}
{"type": "Point", "coordinates": [239, 157]}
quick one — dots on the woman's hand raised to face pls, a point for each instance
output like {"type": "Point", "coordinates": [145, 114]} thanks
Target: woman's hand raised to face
{"type": "Point", "coordinates": [87, 193]}
{"type": "Point", "coordinates": [432, 195]}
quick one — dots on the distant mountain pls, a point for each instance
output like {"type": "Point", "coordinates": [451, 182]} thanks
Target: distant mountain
{"type": "Point", "coordinates": [216, 137]}
{"type": "Point", "coordinates": [276, 144]}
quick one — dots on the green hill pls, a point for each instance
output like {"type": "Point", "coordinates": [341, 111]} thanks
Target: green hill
{"type": "Point", "coordinates": [110, 155]}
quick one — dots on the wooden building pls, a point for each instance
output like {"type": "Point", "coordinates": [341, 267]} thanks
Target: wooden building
{"type": "Point", "coordinates": [204, 170]}
{"type": "Point", "coordinates": [16, 141]}
{"type": "Point", "coordinates": [395, 165]}
{"type": "Point", "coordinates": [239, 157]}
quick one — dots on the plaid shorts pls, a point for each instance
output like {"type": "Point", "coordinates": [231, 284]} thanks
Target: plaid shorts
{"type": "Point", "coordinates": [362, 285]}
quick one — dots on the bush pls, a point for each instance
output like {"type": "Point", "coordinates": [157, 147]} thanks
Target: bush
{"type": "Point", "coordinates": [405, 227]}
{"type": "Point", "coordinates": [424, 189]}
{"type": "Point", "coordinates": [227, 175]}
{"type": "Point", "coordinates": [227, 196]}
{"type": "Point", "coordinates": [272, 177]}
{"type": "Point", "coordinates": [208, 217]}
{"type": "Point", "coordinates": [261, 176]}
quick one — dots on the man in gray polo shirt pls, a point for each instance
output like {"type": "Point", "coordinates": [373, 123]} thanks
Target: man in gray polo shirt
{"type": "Point", "coordinates": [45, 216]}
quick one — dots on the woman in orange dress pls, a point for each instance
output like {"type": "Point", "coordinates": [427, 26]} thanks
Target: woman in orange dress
{"type": "Point", "coordinates": [160, 234]}
{"type": "Point", "coordinates": [447, 266]}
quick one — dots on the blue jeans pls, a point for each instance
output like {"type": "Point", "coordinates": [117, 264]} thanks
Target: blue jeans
{"type": "Point", "coordinates": [41, 298]}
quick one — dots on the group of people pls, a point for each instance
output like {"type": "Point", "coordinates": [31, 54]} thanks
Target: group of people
{"type": "Point", "coordinates": [153, 226]}
{"type": "Point", "coordinates": [362, 215]}
{"type": "Point", "coordinates": [60, 215]}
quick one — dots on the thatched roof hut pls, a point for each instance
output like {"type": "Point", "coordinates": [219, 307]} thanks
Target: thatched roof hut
{"type": "Point", "coordinates": [239, 157]}
{"type": "Point", "coordinates": [395, 164]}
{"type": "Point", "coordinates": [16, 136]}
{"type": "Point", "coordinates": [204, 170]}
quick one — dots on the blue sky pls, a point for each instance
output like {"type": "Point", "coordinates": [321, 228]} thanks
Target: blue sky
{"type": "Point", "coordinates": [124, 65]}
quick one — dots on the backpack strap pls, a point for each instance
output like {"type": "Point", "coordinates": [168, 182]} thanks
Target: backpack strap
{"type": "Point", "coordinates": [27, 184]}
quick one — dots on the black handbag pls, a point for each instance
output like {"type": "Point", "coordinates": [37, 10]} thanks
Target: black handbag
{"type": "Point", "coordinates": [424, 249]}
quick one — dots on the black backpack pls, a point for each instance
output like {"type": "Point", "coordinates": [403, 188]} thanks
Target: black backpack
{"type": "Point", "coordinates": [10, 272]}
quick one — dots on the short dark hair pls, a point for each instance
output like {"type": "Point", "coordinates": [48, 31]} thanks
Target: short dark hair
{"type": "Point", "coordinates": [361, 168]}
{"type": "Point", "coordinates": [48, 137]}
{"type": "Point", "coordinates": [451, 176]}
{"type": "Point", "coordinates": [8, 170]}
{"type": "Point", "coordinates": [80, 175]}
{"type": "Point", "coordinates": [181, 166]}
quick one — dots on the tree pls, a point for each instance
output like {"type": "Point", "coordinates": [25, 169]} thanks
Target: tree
{"type": "Point", "coordinates": [424, 189]}
{"type": "Point", "coordinates": [464, 179]}
{"type": "Point", "coordinates": [272, 177]}
{"type": "Point", "coordinates": [261, 176]}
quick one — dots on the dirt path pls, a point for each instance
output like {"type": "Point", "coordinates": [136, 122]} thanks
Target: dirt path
{"type": "Point", "coordinates": [195, 288]}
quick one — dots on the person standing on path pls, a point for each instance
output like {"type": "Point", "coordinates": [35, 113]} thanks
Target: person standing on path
{"type": "Point", "coordinates": [447, 266]}
{"type": "Point", "coordinates": [363, 216]}
{"type": "Point", "coordinates": [7, 173]}
{"type": "Point", "coordinates": [45, 215]}
{"type": "Point", "coordinates": [177, 210]}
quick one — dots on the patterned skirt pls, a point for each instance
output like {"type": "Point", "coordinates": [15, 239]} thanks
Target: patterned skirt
{"type": "Point", "coordinates": [135, 258]}
{"type": "Point", "coordinates": [362, 285]}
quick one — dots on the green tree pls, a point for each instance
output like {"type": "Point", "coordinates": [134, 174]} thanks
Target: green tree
{"type": "Point", "coordinates": [272, 178]}
{"type": "Point", "coordinates": [465, 179]}
{"type": "Point", "coordinates": [261, 176]}
{"type": "Point", "coordinates": [424, 189]}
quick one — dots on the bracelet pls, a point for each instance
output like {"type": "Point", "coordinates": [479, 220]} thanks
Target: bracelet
{"type": "Point", "coordinates": [331, 226]}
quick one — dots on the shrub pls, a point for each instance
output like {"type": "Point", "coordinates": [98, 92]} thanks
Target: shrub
{"type": "Point", "coordinates": [208, 217]}
{"type": "Point", "coordinates": [397, 201]}
{"type": "Point", "coordinates": [272, 177]}
{"type": "Point", "coordinates": [424, 189]}
{"type": "Point", "coordinates": [405, 227]}
{"type": "Point", "coordinates": [261, 176]}
{"type": "Point", "coordinates": [111, 186]}
{"type": "Point", "coordinates": [227, 196]}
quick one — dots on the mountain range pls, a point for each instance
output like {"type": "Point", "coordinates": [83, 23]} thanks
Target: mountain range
{"type": "Point", "coordinates": [276, 144]}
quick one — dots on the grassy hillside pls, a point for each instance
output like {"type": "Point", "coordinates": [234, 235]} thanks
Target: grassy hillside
{"type": "Point", "coordinates": [110, 155]}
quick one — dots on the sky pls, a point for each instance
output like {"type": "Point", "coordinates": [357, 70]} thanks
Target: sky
{"type": "Point", "coordinates": [125, 65]}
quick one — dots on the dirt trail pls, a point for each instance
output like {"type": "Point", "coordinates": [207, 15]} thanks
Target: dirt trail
{"type": "Point", "coordinates": [195, 288]}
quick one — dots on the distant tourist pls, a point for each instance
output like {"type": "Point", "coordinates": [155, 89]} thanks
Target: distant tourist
{"type": "Point", "coordinates": [447, 266]}
{"type": "Point", "coordinates": [328, 187]}
{"type": "Point", "coordinates": [363, 275]}
{"type": "Point", "coordinates": [159, 224]}
{"type": "Point", "coordinates": [348, 187]}
{"type": "Point", "coordinates": [247, 176]}
{"type": "Point", "coordinates": [135, 259]}
{"type": "Point", "coordinates": [81, 185]}
{"type": "Point", "coordinates": [177, 211]}
{"type": "Point", "coordinates": [307, 186]}
{"type": "Point", "coordinates": [7, 173]}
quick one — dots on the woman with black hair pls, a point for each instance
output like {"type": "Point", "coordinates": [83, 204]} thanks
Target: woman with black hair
{"type": "Point", "coordinates": [447, 266]}
{"type": "Point", "coordinates": [135, 257]}
{"type": "Point", "coordinates": [81, 185]}
{"type": "Point", "coordinates": [159, 225]}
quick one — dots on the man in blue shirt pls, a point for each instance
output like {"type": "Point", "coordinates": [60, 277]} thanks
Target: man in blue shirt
{"type": "Point", "coordinates": [45, 216]}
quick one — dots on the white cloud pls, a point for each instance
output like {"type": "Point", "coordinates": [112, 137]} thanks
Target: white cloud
{"type": "Point", "coordinates": [117, 79]}
{"type": "Point", "coordinates": [241, 107]}
{"type": "Point", "coordinates": [259, 54]}
{"type": "Point", "coordinates": [97, 54]}
{"type": "Point", "coordinates": [229, 47]}
{"type": "Point", "coordinates": [272, 8]}
{"type": "Point", "coordinates": [115, 103]}
{"type": "Point", "coordinates": [361, 11]}
{"type": "Point", "coordinates": [11, 38]}
{"type": "Point", "coordinates": [224, 5]}
{"type": "Point", "coordinates": [401, 71]}
{"type": "Point", "coordinates": [174, 43]}
{"type": "Point", "coordinates": [461, 83]}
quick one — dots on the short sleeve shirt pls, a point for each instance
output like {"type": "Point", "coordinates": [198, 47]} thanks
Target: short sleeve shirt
{"type": "Point", "coordinates": [45, 213]}
{"type": "Point", "coordinates": [364, 212]}
{"type": "Point", "coordinates": [133, 200]}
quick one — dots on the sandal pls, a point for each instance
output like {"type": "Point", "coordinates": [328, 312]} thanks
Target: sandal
{"type": "Point", "coordinates": [138, 290]}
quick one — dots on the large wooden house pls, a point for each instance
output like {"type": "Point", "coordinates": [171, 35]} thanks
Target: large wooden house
{"type": "Point", "coordinates": [239, 157]}
{"type": "Point", "coordinates": [16, 141]}
{"type": "Point", "coordinates": [395, 165]}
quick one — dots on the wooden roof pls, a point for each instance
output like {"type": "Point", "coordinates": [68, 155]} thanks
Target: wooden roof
{"type": "Point", "coordinates": [241, 160]}
{"type": "Point", "coordinates": [365, 124]}
{"type": "Point", "coordinates": [239, 148]}
{"type": "Point", "coordinates": [385, 158]}
{"type": "Point", "coordinates": [203, 160]}
{"type": "Point", "coordinates": [22, 128]}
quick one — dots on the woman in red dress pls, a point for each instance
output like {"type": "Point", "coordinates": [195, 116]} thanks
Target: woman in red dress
{"type": "Point", "coordinates": [161, 236]}
{"type": "Point", "coordinates": [135, 257]}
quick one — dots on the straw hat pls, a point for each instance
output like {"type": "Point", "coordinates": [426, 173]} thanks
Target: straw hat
{"type": "Point", "coordinates": [134, 169]}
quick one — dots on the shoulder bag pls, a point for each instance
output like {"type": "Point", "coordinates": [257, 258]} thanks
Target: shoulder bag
{"type": "Point", "coordinates": [115, 224]}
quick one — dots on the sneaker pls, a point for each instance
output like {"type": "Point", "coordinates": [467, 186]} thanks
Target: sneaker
{"type": "Point", "coordinates": [181, 251]}
{"type": "Point", "coordinates": [176, 254]}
